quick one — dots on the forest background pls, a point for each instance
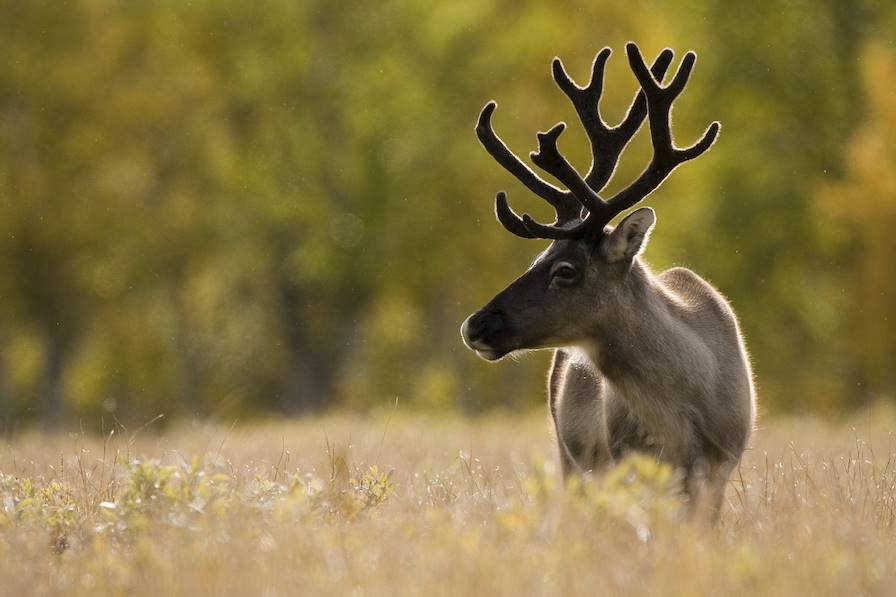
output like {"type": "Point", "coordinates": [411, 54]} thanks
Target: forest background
{"type": "Point", "coordinates": [227, 209]}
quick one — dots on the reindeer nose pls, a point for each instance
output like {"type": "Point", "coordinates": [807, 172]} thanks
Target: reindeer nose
{"type": "Point", "coordinates": [482, 325]}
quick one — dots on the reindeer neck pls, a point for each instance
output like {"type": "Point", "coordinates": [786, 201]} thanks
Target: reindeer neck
{"type": "Point", "coordinates": [637, 337]}
{"type": "Point", "coordinates": [644, 355]}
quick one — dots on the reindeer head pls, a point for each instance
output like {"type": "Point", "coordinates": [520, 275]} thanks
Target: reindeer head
{"type": "Point", "coordinates": [561, 298]}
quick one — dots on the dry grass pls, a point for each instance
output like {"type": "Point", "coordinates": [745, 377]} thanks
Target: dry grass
{"type": "Point", "coordinates": [423, 506]}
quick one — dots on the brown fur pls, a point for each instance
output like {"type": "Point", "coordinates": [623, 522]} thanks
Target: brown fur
{"type": "Point", "coordinates": [643, 362]}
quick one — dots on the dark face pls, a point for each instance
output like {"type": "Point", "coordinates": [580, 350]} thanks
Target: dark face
{"type": "Point", "coordinates": [552, 304]}
{"type": "Point", "coordinates": [564, 296]}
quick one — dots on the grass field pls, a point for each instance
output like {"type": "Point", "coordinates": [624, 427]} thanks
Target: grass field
{"type": "Point", "coordinates": [427, 506]}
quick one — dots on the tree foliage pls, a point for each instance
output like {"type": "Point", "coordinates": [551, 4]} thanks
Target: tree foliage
{"type": "Point", "coordinates": [225, 208]}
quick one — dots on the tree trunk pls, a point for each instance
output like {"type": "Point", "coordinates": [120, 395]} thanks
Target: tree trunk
{"type": "Point", "coordinates": [190, 382]}
{"type": "Point", "coordinates": [54, 368]}
{"type": "Point", "coordinates": [308, 378]}
{"type": "Point", "coordinates": [6, 421]}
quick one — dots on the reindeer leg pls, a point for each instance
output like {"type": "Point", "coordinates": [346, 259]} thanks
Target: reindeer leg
{"type": "Point", "coordinates": [577, 409]}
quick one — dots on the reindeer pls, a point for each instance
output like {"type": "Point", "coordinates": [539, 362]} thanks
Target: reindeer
{"type": "Point", "coordinates": [642, 361]}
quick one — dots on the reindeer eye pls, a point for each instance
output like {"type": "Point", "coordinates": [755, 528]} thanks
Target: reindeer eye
{"type": "Point", "coordinates": [564, 273]}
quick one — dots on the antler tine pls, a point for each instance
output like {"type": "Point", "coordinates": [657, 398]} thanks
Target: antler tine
{"type": "Point", "coordinates": [565, 205]}
{"type": "Point", "coordinates": [525, 226]}
{"type": "Point", "coordinates": [548, 231]}
{"type": "Point", "coordinates": [584, 99]}
{"type": "Point", "coordinates": [607, 143]}
{"type": "Point", "coordinates": [666, 157]}
{"type": "Point", "coordinates": [549, 159]}
{"type": "Point", "coordinates": [509, 219]}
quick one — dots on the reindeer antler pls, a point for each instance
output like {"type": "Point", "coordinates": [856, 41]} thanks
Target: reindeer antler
{"type": "Point", "coordinates": [607, 145]}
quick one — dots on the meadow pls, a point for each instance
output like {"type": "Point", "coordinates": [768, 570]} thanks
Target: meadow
{"type": "Point", "coordinates": [278, 213]}
{"type": "Point", "coordinates": [412, 505]}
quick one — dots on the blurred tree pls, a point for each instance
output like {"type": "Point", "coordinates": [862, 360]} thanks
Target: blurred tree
{"type": "Point", "coordinates": [863, 206]}
{"type": "Point", "coordinates": [223, 208]}
{"type": "Point", "coordinates": [786, 107]}
{"type": "Point", "coordinates": [49, 231]}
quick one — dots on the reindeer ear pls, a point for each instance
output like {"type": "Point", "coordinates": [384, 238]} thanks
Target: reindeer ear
{"type": "Point", "coordinates": [629, 238]}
